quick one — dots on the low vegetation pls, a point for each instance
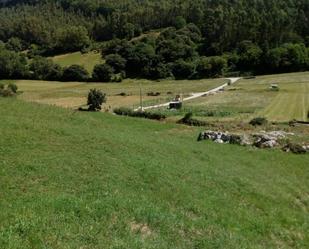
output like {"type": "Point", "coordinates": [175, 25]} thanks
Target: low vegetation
{"type": "Point", "coordinates": [8, 90]}
{"type": "Point", "coordinates": [123, 111]}
{"type": "Point", "coordinates": [188, 120]}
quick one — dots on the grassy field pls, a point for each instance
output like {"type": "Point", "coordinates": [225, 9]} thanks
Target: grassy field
{"type": "Point", "coordinates": [252, 97]}
{"type": "Point", "coordinates": [94, 180]}
{"type": "Point", "coordinates": [247, 99]}
{"type": "Point", "coordinates": [88, 60]}
{"type": "Point", "coordinates": [73, 95]}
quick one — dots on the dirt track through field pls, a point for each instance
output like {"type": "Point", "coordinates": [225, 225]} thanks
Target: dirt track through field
{"type": "Point", "coordinates": [194, 95]}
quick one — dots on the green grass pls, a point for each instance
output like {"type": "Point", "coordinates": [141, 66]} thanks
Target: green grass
{"type": "Point", "coordinates": [94, 180]}
{"type": "Point", "coordinates": [88, 60]}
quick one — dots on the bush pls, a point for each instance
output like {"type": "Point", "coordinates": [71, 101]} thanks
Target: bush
{"type": "Point", "coordinates": [188, 120]}
{"type": "Point", "coordinates": [123, 111]}
{"type": "Point", "coordinates": [6, 93]}
{"type": "Point", "coordinates": [183, 69]}
{"type": "Point", "coordinates": [102, 72]}
{"type": "Point", "coordinates": [75, 73]}
{"type": "Point", "coordinates": [13, 87]}
{"type": "Point", "coordinates": [116, 61]}
{"type": "Point", "coordinates": [14, 44]}
{"type": "Point", "coordinates": [45, 69]}
{"type": "Point", "coordinates": [258, 121]}
{"type": "Point", "coordinates": [117, 78]}
{"type": "Point", "coordinates": [95, 100]}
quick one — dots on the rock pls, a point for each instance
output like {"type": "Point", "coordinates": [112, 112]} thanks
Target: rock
{"type": "Point", "coordinates": [235, 139]}
{"type": "Point", "coordinates": [219, 141]}
{"type": "Point", "coordinates": [306, 147]}
{"type": "Point", "coordinates": [246, 141]}
{"type": "Point", "coordinates": [226, 138]}
{"type": "Point", "coordinates": [269, 144]}
{"type": "Point", "coordinates": [295, 148]}
{"type": "Point", "coordinates": [264, 141]}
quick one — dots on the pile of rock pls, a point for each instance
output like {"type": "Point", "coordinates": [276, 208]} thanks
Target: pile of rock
{"type": "Point", "coordinates": [224, 137]}
{"type": "Point", "coordinates": [260, 140]}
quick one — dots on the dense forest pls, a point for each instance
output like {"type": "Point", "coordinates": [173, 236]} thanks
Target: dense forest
{"type": "Point", "coordinates": [193, 38]}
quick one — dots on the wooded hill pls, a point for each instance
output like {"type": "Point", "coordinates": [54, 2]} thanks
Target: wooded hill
{"type": "Point", "coordinates": [256, 36]}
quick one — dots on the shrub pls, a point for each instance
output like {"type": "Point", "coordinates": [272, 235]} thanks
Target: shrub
{"type": "Point", "coordinates": [95, 100]}
{"type": "Point", "coordinates": [45, 69]}
{"type": "Point", "coordinates": [2, 86]}
{"type": "Point", "coordinates": [188, 120]}
{"type": "Point", "coordinates": [154, 94]}
{"type": "Point", "coordinates": [13, 87]}
{"type": "Point", "coordinates": [102, 72]}
{"type": "Point", "coordinates": [258, 121]}
{"type": "Point", "coordinates": [14, 44]}
{"type": "Point", "coordinates": [183, 69]}
{"type": "Point", "coordinates": [116, 61]}
{"type": "Point", "coordinates": [75, 73]}
{"type": "Point", "coordinates": [6, 93]}
{"type": "Point", "coordinates": [117, 78]}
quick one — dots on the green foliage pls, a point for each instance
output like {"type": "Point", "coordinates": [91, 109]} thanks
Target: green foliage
{"type": "Point", "coordinates": [45, 69]}
{"type": "Point", "coordinates": [179, 22]}
{"type": "Point", "coordinates": [123, 111]}
{"type": "Point", "coordinates": [270, 36]}
{"type": "Point", "coordinates": [102, 72]}
{"type": "Point", "coordinates": [188, 120]}
{"type": "Point", "coordinates": [183, 69]}
{"type": "Point", "coordinates": [214, 66]}
{"type": "Point", "coordinates": [288, 57]}
{"type": "Point", "coordinates": [9, 91]}
{"type": "Point", "coordinates": [71, 39]}
{"type": "Point", "coordinates": [116, 61]}
{"type": "Point", "coordinates": [14, 44]}
{"type": "Point", "coordinates": [75, 73]}
{"type": "Point", "coordinates": [95, 100]}
{"type": "Point", "coordinates": [12, 65]}
{"type": "Point", "coordinates": [249, 55]}
{"type": "Point", "coordinates": [13, 87]}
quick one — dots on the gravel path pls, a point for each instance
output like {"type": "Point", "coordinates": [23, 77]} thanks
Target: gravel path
{"type": "Point", "coordinates": [194, 95]}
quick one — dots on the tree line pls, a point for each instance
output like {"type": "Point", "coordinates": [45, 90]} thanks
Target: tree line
{"type": "Point", "coordinates": [196, 38]}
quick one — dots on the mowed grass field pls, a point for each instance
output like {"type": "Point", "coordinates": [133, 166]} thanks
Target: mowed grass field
{"type": "Point", "coordinates": [250, 98]}
{"type": "Point", "coordinates": [74, 94]}
{"type": "Point", "coordinates": [94, 180]}
{"type": "Point", "coordinates": [88, 60]}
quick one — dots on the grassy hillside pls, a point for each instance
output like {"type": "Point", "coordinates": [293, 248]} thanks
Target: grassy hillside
{"type": "Point", "coordinates": [93, 180]}
{"type": "Point", "coordinates": [88, 60]}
